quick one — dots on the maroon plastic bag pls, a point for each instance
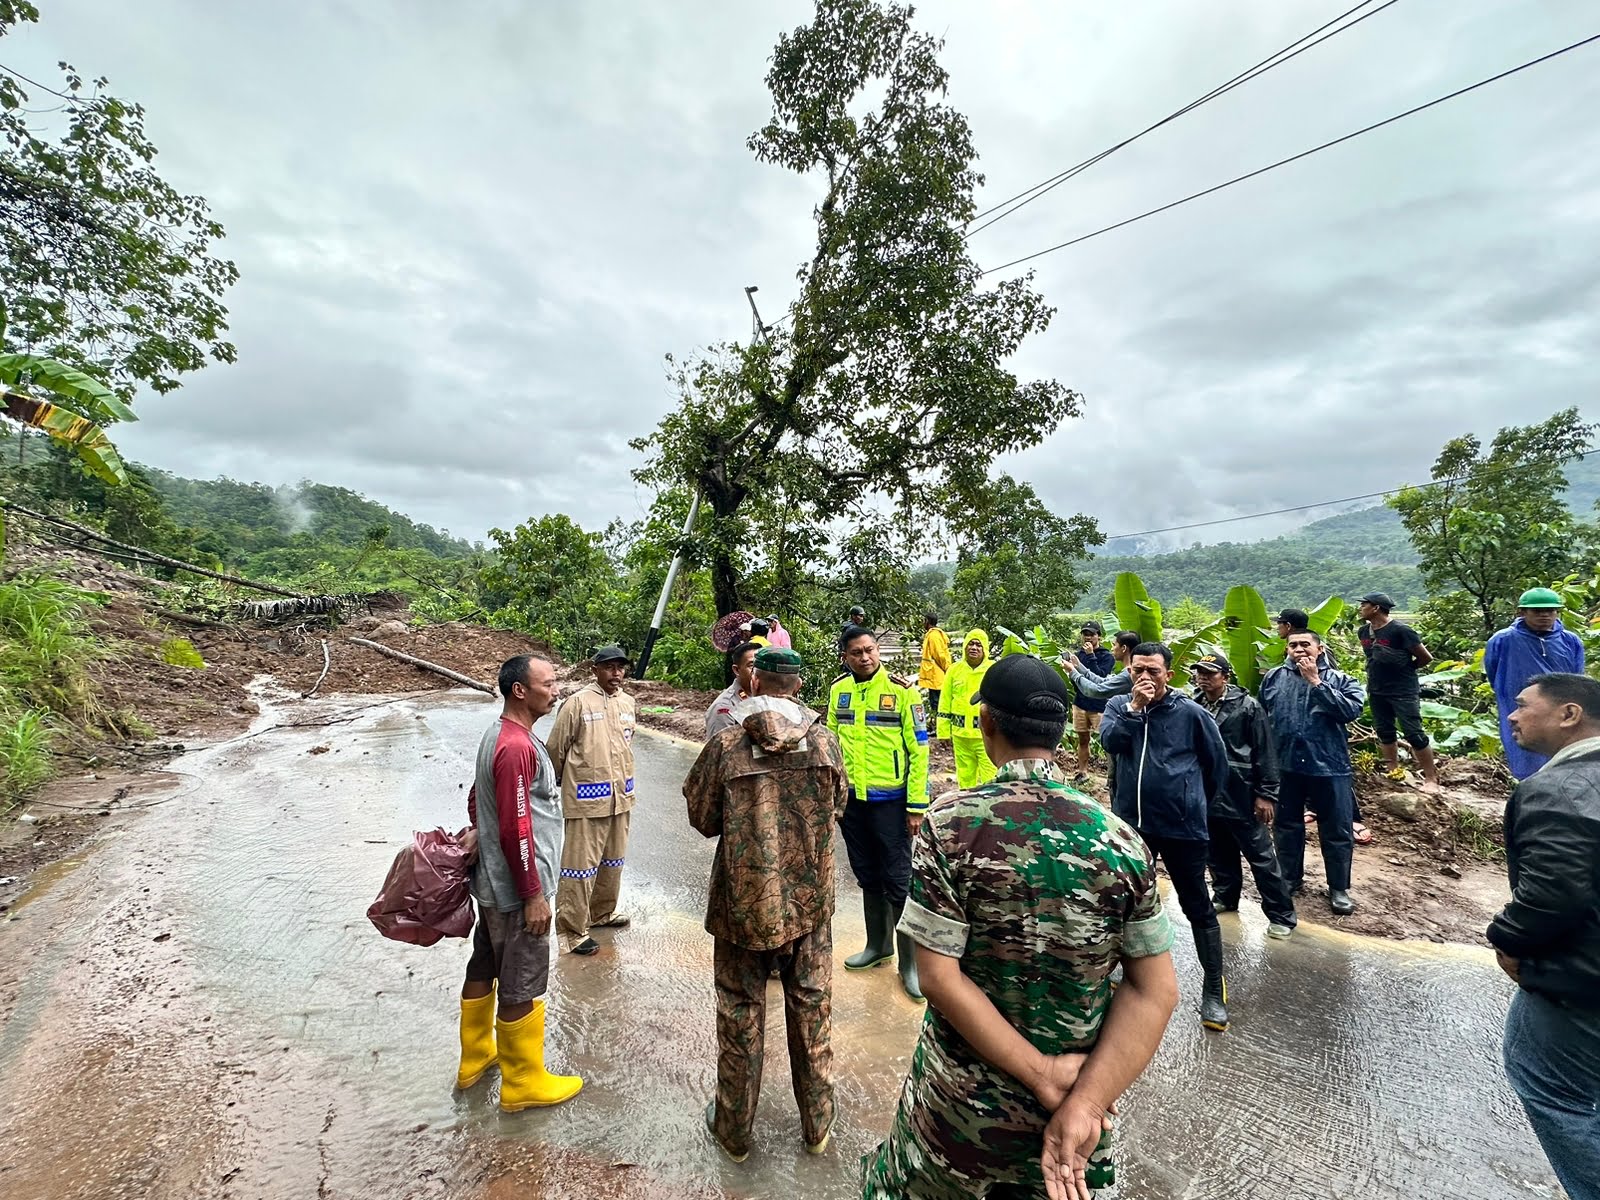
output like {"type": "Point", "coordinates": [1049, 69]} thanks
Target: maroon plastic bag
{"type": "Point", "coordinates": [426, 896]}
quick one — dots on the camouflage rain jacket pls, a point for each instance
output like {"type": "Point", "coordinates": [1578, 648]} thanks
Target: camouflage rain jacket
{"type": "Point", "coordinates": [771, 788]}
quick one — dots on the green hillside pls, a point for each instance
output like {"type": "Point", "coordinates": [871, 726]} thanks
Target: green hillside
{"type": "Point", "coordinates": [239, 520]}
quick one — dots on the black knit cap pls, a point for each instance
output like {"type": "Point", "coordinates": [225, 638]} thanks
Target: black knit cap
{"type": "Point", "coordinates": [1024, 686]}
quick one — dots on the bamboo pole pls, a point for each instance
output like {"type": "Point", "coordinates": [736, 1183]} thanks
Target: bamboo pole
{"type": "Point", "coordinates": [400, 656]}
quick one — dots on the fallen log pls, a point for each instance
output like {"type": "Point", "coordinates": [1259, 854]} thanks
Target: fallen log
{"type": "Point", "coordinates": [166, 614]}
{"type": "Point", "coordinates": [423, 663]}
{"type": "Point", "coordinates": [151, 555]}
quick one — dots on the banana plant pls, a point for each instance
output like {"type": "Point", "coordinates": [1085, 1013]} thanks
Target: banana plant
{"type": "Point", "coordinates": [78, 408]}
{"type": "Point", "coordinates": [1246, 635]}
{"type": "Point", "coordinates": [1136, 609]}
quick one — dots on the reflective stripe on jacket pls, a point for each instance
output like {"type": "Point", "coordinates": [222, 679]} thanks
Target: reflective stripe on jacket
{"type": "Point", "coordinates": [881, 726]}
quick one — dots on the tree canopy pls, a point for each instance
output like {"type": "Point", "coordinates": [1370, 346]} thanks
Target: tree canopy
{"type": "Point", "coordinates": [888, 379]}
{"type": "Point", "coordinates": [107, 267]}
{"type": "Point", "coordinates": [1493, 522]}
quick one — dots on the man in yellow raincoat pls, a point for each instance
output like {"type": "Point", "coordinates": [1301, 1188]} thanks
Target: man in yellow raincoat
{"type": "Point", "coordinates": [958, 712]}
{"type": "Point", "coordinates": [935, 659]}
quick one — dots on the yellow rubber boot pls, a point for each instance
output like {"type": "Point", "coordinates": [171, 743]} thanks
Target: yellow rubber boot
{"type": "Point", "coordinates": [524, 1083]}
{"type": "Point", "coordinates": [477, 1040]}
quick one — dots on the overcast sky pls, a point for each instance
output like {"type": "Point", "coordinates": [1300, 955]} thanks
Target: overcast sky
{"type": "Point", "coordinates": [467, 235]}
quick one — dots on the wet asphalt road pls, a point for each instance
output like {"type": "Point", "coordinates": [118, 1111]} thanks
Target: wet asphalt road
{"type": "Point", "coordinates": [271, 1044]}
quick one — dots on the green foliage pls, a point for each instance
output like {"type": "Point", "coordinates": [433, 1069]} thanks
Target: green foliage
{"type": "Point", "coordinates": [180, 652]}
{"type": "Point", "coordinates": [72, 415]}
{"type": "Point", "coordinates": [1289, 575]}
{"type": "Point", "coordinates": [1189, 614]}
{"type": "Point", "coordinates": [26, 741]}
{"type": "Point", "coordinates": [107, 267]}
{"type": "Point", "coordinates": [1493, 521]}
{"type": "Point", "coordinates": [1136, 609]}
{"type": "Point", "coordinates": [554, 581]}
{"type": "Point", "coordinates": [1246, 632]}
{"type": "Point", "coordinates": [890, 380]}
{"type": "Point", "coordinates": [1015, 558]}
{"type": "Point", "coordinates": [45, 652]}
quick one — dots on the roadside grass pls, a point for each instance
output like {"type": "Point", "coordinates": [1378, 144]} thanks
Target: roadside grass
{"type": "Point", "coordinates": [46, 649]}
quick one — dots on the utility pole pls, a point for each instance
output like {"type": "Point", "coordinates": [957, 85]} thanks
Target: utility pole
{"type": "Point", "coordinates": [759, 330]}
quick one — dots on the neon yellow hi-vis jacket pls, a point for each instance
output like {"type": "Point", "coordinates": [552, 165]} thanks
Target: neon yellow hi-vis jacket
{"type": "Point", "coordinates": [958, 706]}
{"type": "Point", "coordinates": [883, 731]}
{"type": "Point", "coordinates": [935, 659]}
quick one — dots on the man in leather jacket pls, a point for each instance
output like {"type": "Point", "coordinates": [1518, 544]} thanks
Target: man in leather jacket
{"type": "Point", "coordinates": [1241, 814]}
{"type": "Point", "coordinates": [1548, 938]}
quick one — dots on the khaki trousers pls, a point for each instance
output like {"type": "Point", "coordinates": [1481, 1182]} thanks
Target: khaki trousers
{"type": "Point", "coordinates": [591, 875]}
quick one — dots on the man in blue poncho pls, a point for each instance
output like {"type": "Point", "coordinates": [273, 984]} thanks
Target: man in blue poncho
{"type": "Point", "coordinates": [1536, 643]}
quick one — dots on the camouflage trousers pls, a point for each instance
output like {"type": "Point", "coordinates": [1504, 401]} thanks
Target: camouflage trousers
{"type": "Point", "coordinates": [959, 1131]}
{"type": "Point", "coordinates": [805, 967]}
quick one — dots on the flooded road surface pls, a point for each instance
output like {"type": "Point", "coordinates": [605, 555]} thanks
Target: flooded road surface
{"type": "Point", "coordinates": [199, 1007]}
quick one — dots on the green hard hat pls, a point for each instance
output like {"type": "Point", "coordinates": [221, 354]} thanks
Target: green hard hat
{"type": "Point", "coordinates": [1539, 598]}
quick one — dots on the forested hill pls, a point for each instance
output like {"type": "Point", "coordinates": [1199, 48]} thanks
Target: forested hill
{"type": "Point", "coordinates": [251, 517]}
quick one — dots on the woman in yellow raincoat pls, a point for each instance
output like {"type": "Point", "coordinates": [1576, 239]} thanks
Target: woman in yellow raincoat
{"type": "Point", "coordinates": [958, 711]}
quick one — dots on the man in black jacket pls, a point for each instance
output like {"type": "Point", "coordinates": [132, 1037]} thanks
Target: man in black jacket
{"type": "Point", "coordinates": [1548, 938]}
{"type": "Point", "coordinates": [1169, 765]}
{"type": "Point", "coordinates": [1241, 815]}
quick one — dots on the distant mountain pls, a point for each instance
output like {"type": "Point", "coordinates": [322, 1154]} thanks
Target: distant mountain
{"type": "Point", "coordinates": [237, 519]}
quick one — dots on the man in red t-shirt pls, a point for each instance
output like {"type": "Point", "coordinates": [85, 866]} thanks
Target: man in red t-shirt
{"type": "Point", "coordinates": [515, 810]}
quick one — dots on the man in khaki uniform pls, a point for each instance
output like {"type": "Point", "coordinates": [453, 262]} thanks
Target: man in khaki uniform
{"type": "Point", "coordinates": [591, 744]}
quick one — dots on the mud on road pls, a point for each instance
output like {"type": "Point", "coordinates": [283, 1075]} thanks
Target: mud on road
{"type": "Point", "coordinates": [196, 1006]}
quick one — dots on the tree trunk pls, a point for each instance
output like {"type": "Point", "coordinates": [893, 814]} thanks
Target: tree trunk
{"type": "Point", "coordinates": [725, 583]}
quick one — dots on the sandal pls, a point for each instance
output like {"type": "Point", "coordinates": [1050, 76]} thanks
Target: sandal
{"type": "Point", "coordinates": [1363, 834]}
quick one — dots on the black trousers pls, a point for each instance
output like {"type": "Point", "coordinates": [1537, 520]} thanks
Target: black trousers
{"type": "Point", "coordinates": [1233, 836]}
{"type": "Point", "coordinates": [1185, 860]}
{"type": "Point", "coordinates": [879, 846]}
{"type": "Point", "coordinates": [1332, 798]}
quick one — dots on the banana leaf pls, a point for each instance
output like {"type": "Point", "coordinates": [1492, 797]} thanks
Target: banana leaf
{"type": "Point", "coordinates": [87, 395]}
{"type": "Point", "coordinates": [86, 438]}
{"type": "Point", "coordinates": [1321, 618]}
{"type": "Point", "coordinates": [1247, 632]}
{"type": "Point", "coordinates": [1187, 649]}
{"type": "Point", "coordinates": [1135, 609]}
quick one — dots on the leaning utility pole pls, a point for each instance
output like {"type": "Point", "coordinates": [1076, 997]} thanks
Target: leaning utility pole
{"type": "Point", "coordinates": [758, 330]}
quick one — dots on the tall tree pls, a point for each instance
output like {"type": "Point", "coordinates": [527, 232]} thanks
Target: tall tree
{"type": "Point", "coordinates": [106, 266]}
{"type": "Point", "coordinates": [1493, 522]}
{"type": "Point", "coordinates": [888, 377]}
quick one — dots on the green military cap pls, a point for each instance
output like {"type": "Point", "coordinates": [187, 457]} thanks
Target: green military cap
{"type": "Point", "coordinates": [778, 661]}
{"type": "Point", "coordinates": [1539, 598]}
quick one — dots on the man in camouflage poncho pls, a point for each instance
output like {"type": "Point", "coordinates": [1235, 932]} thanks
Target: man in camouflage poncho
{"type": "Point", "coordinates": [1024, 895]}
{"type": "Point", "coordinates": [771, 788]}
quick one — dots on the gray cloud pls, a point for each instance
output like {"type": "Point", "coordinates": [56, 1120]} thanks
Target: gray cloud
{"type": "Point", "coordinates": [467, 244]}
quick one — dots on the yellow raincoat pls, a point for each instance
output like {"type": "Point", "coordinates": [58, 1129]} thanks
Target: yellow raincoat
{"type": "Point", "coordinates": [958, 713]}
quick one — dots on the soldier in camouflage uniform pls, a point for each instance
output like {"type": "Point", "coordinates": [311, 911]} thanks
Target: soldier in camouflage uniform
{"type": "Point", "coordinates": [1032, 892]}
{"type": "Point", "coordinates": [771, 788]}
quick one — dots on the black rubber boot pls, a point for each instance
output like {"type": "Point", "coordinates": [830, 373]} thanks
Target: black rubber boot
{"type": "Point", "coordinates": [1214, 990]}
{"type": "Point", "coordinates": [880, 933]}
{"type": "Point", "coordinates": [906, 954]}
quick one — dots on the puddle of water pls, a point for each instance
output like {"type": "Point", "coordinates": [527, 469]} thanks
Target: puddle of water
{"type": "Point", "coordinates": [41, 881]}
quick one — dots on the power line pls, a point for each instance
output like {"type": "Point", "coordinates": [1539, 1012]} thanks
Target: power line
{"type": "Point", "coordinates": [1283, 162]}
{"type": "Point", "coordinates": [1261, 68]}
{"type": "Point", "coordinates": [1276, 512]}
